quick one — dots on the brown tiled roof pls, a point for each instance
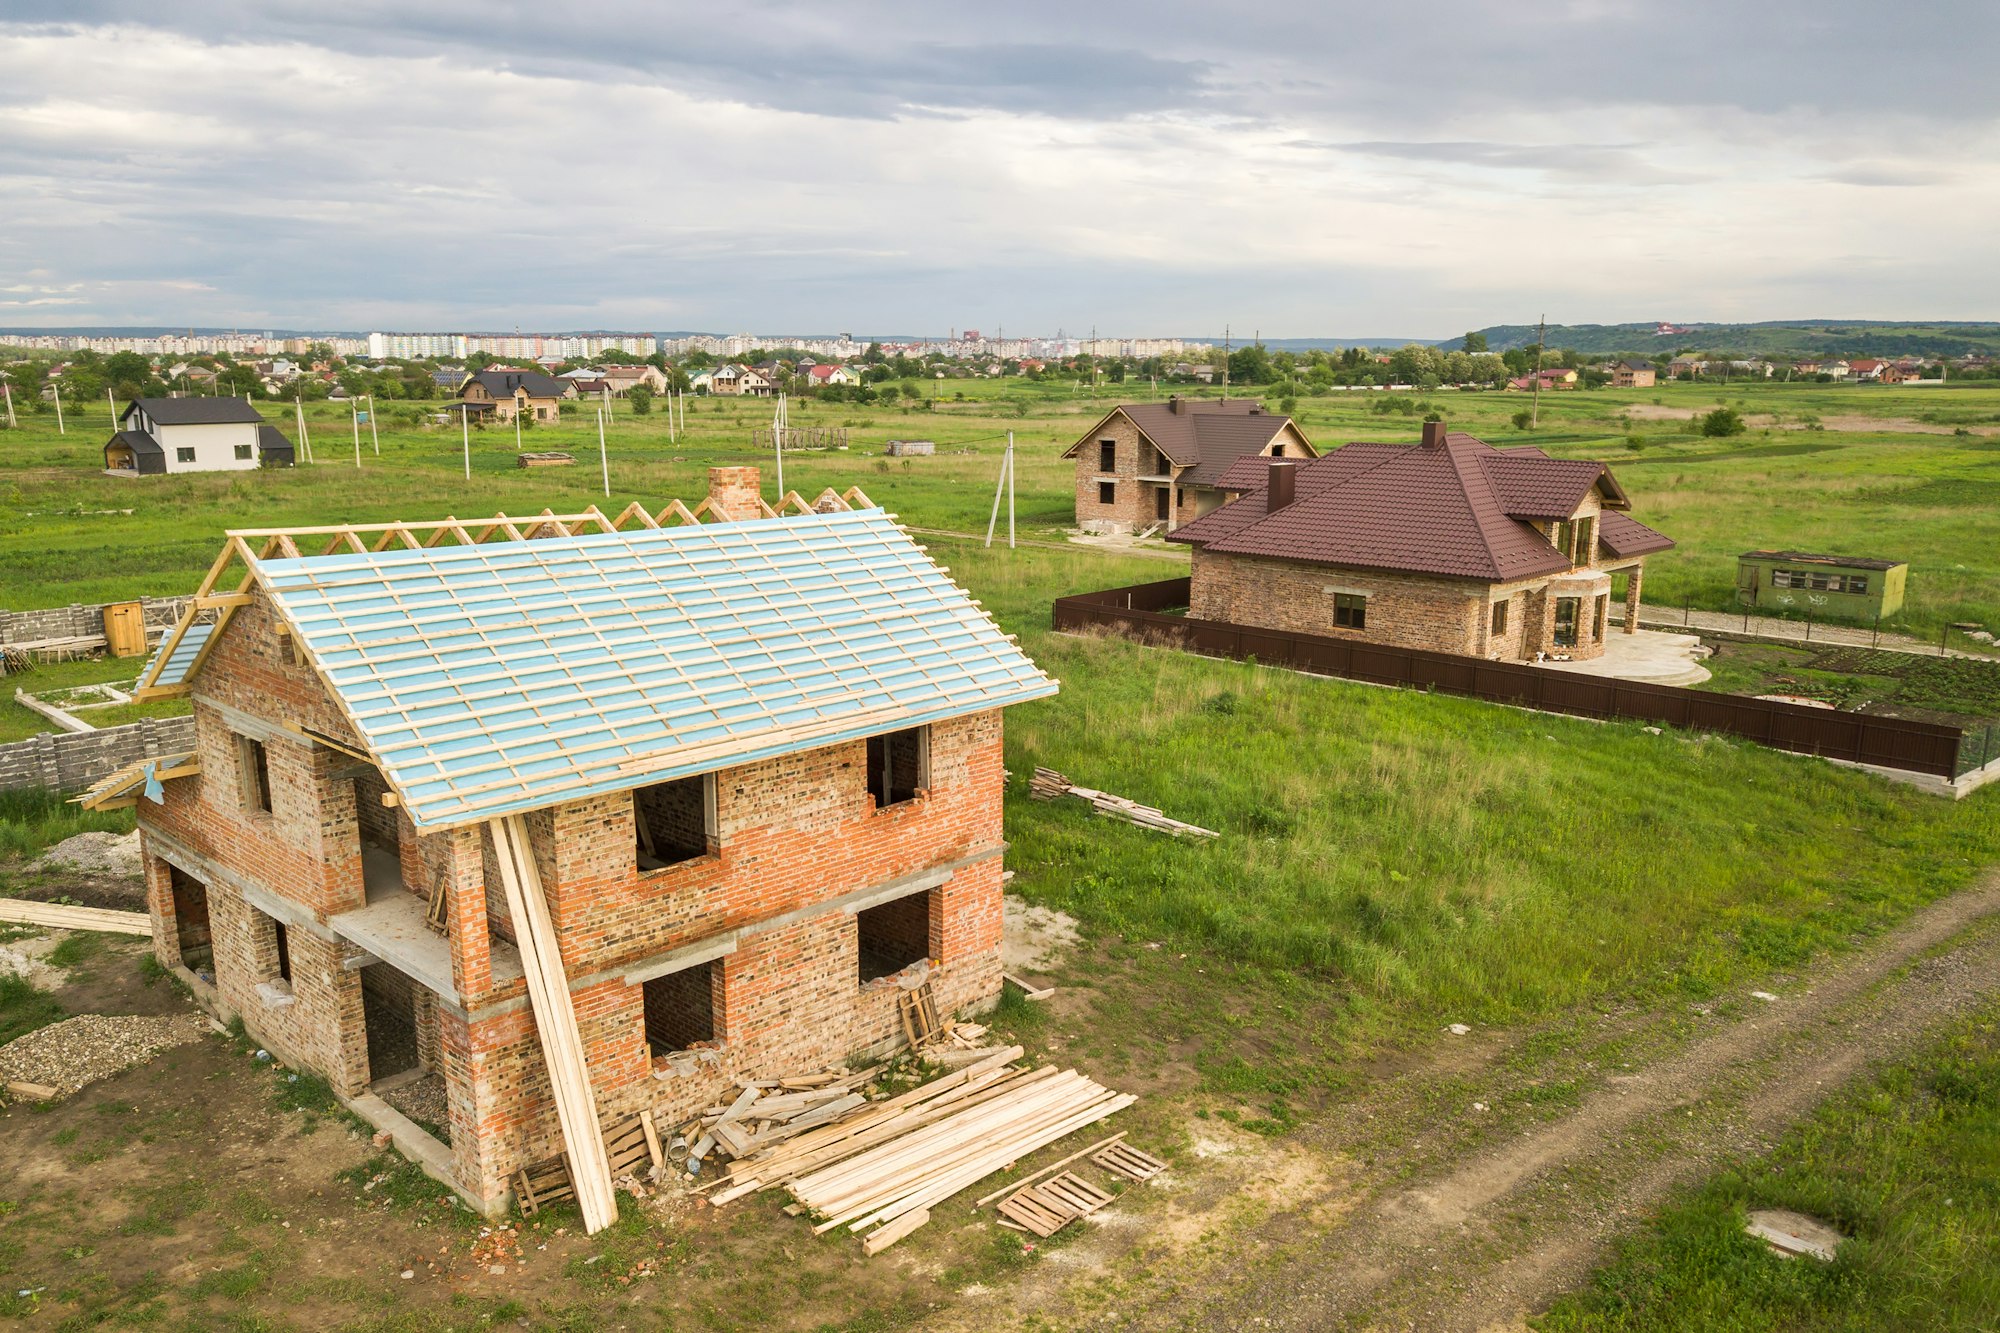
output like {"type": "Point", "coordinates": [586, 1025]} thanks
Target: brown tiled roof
{"type": "Point", "coordinates": [1623, 535]}
{"type": "Point", "coordinates": [1205, 436]}
{"type": "Point", "coordinates": [1459, 508]}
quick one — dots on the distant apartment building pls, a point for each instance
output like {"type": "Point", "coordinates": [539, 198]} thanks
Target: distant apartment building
{"type": "Point", "coordinates": [416, 346]}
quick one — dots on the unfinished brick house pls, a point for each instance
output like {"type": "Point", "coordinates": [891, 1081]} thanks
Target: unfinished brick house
{"type": "Point", "coordinates": [1147, 465]}
{"type": "Point", "coordinates": [691, 802]}
{"type": "Point", "coordinates": [1449, 545]}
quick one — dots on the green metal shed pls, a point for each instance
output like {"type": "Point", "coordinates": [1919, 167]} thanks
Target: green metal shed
{"type": "Point", "coordinates": [1823, 586]}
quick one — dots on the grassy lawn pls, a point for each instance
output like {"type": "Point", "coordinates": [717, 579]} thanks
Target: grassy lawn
{"type": "Point", "coordinates": [1908, 1166]}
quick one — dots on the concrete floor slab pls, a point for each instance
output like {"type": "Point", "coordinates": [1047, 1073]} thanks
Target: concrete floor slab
{"type": "Point", "coordinates": [1647, 655]}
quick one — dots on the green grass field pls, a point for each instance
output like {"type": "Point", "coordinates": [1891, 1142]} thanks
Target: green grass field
{"type": "Point", "coordinates": [1905, 1166]}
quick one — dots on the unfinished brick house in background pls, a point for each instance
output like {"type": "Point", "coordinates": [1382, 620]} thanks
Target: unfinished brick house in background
{"type": "Point", "coordinates": [692, 802]}
{"type": "Point", "coordinates": [1147, 465]}
{"type": "Point", "coordinates": [1449, 545]}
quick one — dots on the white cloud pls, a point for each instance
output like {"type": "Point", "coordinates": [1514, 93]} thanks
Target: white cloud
{"type": "Point", "coordinates": [394, 173]}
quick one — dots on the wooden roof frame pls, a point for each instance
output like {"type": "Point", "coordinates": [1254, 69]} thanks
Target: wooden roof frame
{"type": "Point", "coordinates": [248, 547]}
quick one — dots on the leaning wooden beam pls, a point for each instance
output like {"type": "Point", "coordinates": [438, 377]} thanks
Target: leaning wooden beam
{"type": "Point", "coordinates": [555, 1021]}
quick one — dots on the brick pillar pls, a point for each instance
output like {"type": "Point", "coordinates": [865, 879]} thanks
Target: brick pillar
{"type": "Point", "coordinates": [735, 491]}
{"type": "Point", "coordinates": [465, 904]}
{"type": "Point", "coordinates": [1632, 598]}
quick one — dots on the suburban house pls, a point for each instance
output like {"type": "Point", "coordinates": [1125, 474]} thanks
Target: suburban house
{"type": "Point", "coordinates": [623, 379]}
{"type": "Point", "coordinates": [1448, 545]}
{"type": "Point", "coordinates": [1145, 465]}
{"type": "Point", "coordinates": [1632, 375]}
{"type": "Point", "coordinates": [160, 435]}
{"type": "Point", "coordinates": [837, 375]}
{"type": "Point", "coordinates": [676, 806]}
{"type": "Point", "coordinates": [740, 381]}
{"type": "Point", "coordinates": [500, 394]}
{"type": "Point", "coordinates": [1797, 583]}
{"type": "Point", "coordinates": [1556, 377]}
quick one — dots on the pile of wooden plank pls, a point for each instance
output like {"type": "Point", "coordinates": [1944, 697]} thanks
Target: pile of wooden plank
{"type": "Point", "coordinates": [548, 458]}
{"type": "Point", "coordinates": [770, 1111]}
{"type": "Point", "coordinates": [1047, 785]}
{"type": "Point", "coordinates": [885, 1165]}
{"type": "Point", "coordinates": [62, 916]}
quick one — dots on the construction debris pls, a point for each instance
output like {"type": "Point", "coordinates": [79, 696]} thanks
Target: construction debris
{"type": "Point", "coordinates": [1125, 1160]}
{"type": "Point", "coordinates": [1028, 990]}
{"type": "Point", "coordinates": [549, 458]}
{"type": "Point", "coordinates": [1048, 784]}
{"type": "Point", "coordinates": [66, 1056]}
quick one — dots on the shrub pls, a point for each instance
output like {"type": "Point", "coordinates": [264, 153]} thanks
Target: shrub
{"type": "Point", "coordinates": [1723, 421]}
{"type": "Point", "coordinates": [1523, 419]}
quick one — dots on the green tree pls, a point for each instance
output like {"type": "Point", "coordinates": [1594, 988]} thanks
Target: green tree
{"type": "Point", "coordinates": [641, 398]}
{"type": "Point", "coordinates": [1251, 365]}
{"type": "Point", "coordinates": [1474, 342]}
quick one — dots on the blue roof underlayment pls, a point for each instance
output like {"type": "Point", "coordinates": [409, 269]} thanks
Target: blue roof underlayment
{"type": "Point", "coordinates": [176, 669]}
{"type": "Point", "coordinates": [493, 679]}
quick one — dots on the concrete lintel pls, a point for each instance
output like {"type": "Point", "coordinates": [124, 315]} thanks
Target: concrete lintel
{"type": "Point", "coordinates": [191, 862]}
{"type": "Point", "coordinates": [719, 945]}
{"type": "Point", "coordinates": [294, 915]}
{"type": "Point", "coordinates": [677, 960]}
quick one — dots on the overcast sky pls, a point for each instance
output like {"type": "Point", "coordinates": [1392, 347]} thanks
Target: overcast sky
{"type": "Point", "coordinates": [1307, 170]}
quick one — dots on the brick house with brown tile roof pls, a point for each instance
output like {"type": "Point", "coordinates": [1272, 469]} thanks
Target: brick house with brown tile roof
{"type": "Point", "coordinates": [1449, 545]}
{"type": "Point", "coordinates": [1143, 464]}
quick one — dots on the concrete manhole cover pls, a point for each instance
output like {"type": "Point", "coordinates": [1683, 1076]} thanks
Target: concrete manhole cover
{"type": "Point", "coordinates": [1793, 1234]}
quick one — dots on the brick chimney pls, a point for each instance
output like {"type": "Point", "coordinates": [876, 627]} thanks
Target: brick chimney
{"type": "Point", "coordinates": [1175, 403]}
{"type": "Point", "coordinates": [735, 491]}
{"type": "Point", "coordinates": [1284, 485]}
{"type": "Point", "coordinates": [1433, 434]}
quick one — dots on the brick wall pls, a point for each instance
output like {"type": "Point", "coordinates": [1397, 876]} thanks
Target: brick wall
{"type": "Point", "coordinates": [72, 760]}
{"type": "Point", "coordinates": [792, 833]}
{"type": "Point", "coordinates": [1411, 611]}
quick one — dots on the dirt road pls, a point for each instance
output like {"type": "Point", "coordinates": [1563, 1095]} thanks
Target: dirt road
{"type": "Point", "coordinates": [1502, 1231]}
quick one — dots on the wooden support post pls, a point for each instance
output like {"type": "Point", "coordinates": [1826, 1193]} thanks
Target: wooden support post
{"type": "Point", "coordinates": [555, 1022]}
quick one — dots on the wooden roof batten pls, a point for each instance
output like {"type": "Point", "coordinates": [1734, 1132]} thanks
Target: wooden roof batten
{"type": "Point", "coordinates": [252, 545]}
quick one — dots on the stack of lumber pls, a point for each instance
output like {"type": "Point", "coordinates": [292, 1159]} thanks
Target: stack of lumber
{"type": "Point", "coordinates": [887, 1164]}
{"type": "Point", "coordinates": [1047, 785]}
{"type": "Point", "coordinates": [548, 458]}
{"type": "Point", "coordinates": [60, 916]}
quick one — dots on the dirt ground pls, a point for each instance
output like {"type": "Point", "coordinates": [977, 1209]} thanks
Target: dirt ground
{"type": "Point", "coordinates": [1846, 421]}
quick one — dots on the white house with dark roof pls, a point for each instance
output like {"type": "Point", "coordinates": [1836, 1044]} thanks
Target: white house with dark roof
{"type": "Point", "coordinates": [162, 435]}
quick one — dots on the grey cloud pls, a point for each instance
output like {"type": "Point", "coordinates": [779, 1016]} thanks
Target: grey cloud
{"type": "Point", "coordinates": [1624, 164]}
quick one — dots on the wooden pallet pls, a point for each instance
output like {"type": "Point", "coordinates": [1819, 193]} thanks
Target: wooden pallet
{"type": "Point", "coordinates": [535, 1187]}
{"type": "Point", "coordinates": [1125, 1160]}
{"type": "Point", "coordinates": [920, 1015]}
{"type": "Point", "coordinates": [635, 1149]}
{"type": "Point", "coordinates": [1052, 1205]}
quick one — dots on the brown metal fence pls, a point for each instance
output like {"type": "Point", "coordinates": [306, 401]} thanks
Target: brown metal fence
{"type": "Point", "coordinates": [1138, 612]}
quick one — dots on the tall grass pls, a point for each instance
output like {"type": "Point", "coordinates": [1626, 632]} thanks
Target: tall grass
{"type": "Point", "coordinates": [33, 819]}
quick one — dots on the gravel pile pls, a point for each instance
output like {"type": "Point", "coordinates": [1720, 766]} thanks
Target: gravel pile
{"type": "Point", "coordinates": [68, 1055]}
{"type": "Point", "coordinates": [106, 854]}
{"type": "Point", "coordinates": [423, 1101]}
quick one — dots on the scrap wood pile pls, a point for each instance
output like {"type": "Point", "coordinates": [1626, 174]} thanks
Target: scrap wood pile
{"type": "Point", "coordinates": [1048, 784]}
{"type": "Point", "coordinates": [884, 1165]}
{"type": "Point", "coordinates": [547, 458]}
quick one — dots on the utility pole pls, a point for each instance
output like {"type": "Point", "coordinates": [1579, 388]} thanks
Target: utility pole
{"type": "Point", "coordinates": [1541, 336]}
{"type": "Point", "coordinates": [1225, 363]}
{"type": "Point", "coordinates": [1005, 487]}
{"type": "Point", "coordinates": [60, 428]}
{"type": "Point", "coordinates": [603, 458]}
{"type": "Point", "coordinates": [465, 437]}
{"type": "Point", "coordinates": [354, 412]}
{"type": "Point", "coordinates": [374, 434]}
{"type": "Point", "coordinates": [8, 387]}
{"type": "Point", "coordinates": [112, 403]}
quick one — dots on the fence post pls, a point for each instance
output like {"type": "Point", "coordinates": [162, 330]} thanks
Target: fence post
{"type": "Point", "coordinates": [1875, 639]}
{"type": "Point", "coordinates": [1687, 611]}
